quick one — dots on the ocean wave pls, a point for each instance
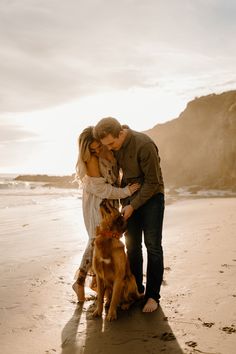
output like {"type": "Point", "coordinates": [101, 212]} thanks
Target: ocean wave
{"type": "Point", "coordinates": [18, 185]}
{"type": "Point", "coordinates": [20, 193]}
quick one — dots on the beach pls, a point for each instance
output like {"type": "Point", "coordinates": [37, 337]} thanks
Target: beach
{"type": "Point", "coordinates": [41, 246]}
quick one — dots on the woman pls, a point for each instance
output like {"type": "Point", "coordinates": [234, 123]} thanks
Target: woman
{"type": "Point", "coordinates": [97, 170]}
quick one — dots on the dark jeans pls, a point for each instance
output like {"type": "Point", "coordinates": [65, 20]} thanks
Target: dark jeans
{"type": "Point", "coordinates": [147, 221]}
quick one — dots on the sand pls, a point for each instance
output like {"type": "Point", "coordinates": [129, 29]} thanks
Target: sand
{"type": "Point", "coordinates": [41, 246]}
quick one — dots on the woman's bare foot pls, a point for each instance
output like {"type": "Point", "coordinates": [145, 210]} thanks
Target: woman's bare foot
{"type": "Point", "coordinates": [79, 290]}
{"type": "Point", "coordinates": [151, 305]}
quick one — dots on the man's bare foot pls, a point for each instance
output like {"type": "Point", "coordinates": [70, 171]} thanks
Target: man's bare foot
{"type": "Point", "coordinates": [79, 290]}
{"type": "Point", "coordinates": [151, 305]}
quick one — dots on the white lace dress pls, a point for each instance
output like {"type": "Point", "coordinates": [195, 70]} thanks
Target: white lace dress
{"type": "Point", "coordinates": [94, 190]}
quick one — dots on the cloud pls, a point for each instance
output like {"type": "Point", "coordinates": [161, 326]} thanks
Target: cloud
{"type": "Point", "coordinates": [53, 52]}
{"type": "Point", "coordinates": [11, 134]}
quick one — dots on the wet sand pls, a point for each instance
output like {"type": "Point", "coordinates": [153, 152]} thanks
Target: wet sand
{"type": "Point", "coordinates": [41, 246]}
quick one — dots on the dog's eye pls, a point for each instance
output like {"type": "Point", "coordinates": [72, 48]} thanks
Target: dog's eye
{"type": "Point", "coordinates": [120, 221]}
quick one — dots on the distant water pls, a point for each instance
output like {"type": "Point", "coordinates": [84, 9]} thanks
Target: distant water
{"type": "Point", "coordinates": [16, 193]}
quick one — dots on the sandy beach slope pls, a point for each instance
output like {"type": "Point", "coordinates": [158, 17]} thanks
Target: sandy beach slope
{"type": "Point", "coordinates": [41, 246]}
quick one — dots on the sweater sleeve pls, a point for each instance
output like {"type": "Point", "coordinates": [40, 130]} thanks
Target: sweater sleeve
{"type": "Point", "coordinates": [149, 162]}
{"type": "Point", "coordinates": [99, 187]}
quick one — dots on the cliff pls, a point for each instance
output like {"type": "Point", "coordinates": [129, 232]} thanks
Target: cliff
{"type": "Point", "coordinates": [199, 147]}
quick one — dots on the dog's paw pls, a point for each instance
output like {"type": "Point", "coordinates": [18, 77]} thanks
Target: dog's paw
{"type": "Point", "coordinates": [111, 316]}
{"type": "Point", "coordinates": [97, 313]}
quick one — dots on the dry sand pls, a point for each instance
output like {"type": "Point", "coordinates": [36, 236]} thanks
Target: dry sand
{"type": "Point", "coordinates": [41, 246]}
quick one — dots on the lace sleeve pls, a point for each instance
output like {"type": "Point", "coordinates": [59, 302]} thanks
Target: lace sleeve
{"type": "Point", "coordinates": [99, 187]}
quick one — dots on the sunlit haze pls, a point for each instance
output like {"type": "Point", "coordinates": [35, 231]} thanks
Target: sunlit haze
{"type": "Point", "coordinates": [65, 65]}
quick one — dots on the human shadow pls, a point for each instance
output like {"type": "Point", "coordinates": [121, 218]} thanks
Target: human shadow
{"type": "Point", "coordinates": [132, 333]}
{"type": "Point", "coordinates": [69, 334]}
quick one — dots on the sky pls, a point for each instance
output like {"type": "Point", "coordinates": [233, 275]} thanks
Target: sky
{"type": "Point", "coordinates": [65, 64]}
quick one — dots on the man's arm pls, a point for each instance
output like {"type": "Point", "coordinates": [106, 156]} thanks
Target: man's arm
{"type": "Point", "coordinates": [149, 162]}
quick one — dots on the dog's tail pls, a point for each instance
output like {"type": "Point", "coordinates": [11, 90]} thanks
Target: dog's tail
{"type": "Point", "coordinates": [131, 292]}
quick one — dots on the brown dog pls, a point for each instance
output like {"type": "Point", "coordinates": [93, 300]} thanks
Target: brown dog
{"type": "Point", "coordinates": [110, 264]}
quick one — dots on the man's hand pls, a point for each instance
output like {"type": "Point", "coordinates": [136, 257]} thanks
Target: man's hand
{"type": "Point", "coordinates": [127, 211]}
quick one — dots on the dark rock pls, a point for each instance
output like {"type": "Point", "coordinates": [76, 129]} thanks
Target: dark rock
{"type": "Point", "coordinates": [199, 147]}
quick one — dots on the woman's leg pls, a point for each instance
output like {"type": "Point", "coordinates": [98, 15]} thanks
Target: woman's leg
{"type": "Point", "coordinates": [78, 286]}
{"type": "Point", "coordinates": [81, 274]}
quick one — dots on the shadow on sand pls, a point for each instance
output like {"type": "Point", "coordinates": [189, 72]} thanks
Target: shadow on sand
{"type": "Point", "coordinates": [133, 333]}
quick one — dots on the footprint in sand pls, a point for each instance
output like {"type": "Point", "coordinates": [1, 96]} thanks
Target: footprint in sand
{"type": "Point", "coordinates": [208, 324]}
{"type": "Point", "coordinates": [191, 344]}
{"type": "Point", "coordinates": [229, 329]}
{"type": "Point", "coordinates": [167, 336]}
{"type": "Point", "coordinates": [227, 265]}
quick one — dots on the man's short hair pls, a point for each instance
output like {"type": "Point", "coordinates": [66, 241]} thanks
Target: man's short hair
{"type": "Point", "coordinates": [107, 126]}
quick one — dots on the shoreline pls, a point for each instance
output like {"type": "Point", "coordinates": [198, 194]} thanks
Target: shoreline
{"type": "Point", "coordinates": [41, 249]}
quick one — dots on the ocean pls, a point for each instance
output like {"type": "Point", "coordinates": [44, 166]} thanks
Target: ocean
{"type": "Point", "coordinates": [18, 193]}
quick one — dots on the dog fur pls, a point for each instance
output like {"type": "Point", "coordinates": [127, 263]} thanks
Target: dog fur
{"type": "Point", "coordinates": [110, 264]}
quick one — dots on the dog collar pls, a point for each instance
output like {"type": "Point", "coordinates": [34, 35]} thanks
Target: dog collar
{"type": "Point", "coordinates": [112, 234]}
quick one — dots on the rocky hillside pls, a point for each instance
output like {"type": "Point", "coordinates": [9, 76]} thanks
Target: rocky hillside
{"type": "Point", "coordinates": [50, 181]}
{"type": "Point", "coordinates": [199, 147]}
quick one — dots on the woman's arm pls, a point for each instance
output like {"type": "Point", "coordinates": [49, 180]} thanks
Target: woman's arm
{"type": "Point", "coordinates": [99, 187]}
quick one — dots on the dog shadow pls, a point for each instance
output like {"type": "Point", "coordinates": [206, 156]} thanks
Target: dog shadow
{"type": "Point", "coordinates": [132, 333]}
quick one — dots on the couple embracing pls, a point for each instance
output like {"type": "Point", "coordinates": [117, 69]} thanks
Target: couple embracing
{"type": "Point", "coordinates": [106, 152]}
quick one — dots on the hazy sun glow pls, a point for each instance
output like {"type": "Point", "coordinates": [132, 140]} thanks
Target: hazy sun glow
{"type": "Point", "coordinates": [54, 131]}
{"type": "Point", "coordinates": [59, 64]}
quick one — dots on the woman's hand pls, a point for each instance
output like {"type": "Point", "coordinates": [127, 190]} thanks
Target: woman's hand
{"type": "Point", "coordinates": [134, 187]}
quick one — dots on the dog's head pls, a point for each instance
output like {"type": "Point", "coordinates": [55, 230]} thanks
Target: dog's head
{"type": "Point", "coordinates": [112, 219]}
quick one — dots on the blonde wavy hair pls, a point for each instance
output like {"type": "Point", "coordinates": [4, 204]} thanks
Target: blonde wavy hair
{"type": "Point", "coordinates": [84, 154]}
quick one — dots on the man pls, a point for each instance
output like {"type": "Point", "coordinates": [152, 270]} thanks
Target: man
{"type": "Point", "coordinates": [138, 157]}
